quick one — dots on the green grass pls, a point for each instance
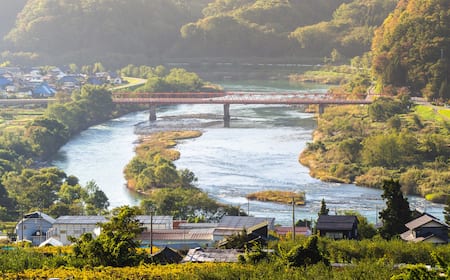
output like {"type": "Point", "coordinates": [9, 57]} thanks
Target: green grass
{"type": "Point", "coordinates": [427, 112]}
{"type": "Point", "coordinates": [132, 83]}
{"type": "Point", "coordinates": [445, 113]}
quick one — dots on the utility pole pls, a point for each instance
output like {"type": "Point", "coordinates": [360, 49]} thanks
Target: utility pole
{"type": "Point", "coordinates": [293, 218]}
{"type": "Point", "coordinates": [151, 231]}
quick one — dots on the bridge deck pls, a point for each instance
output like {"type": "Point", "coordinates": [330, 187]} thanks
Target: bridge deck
{"type": "Point", "coordinates": [267, 101]}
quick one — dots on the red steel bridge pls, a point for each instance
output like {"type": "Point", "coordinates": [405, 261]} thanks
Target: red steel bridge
{"type": "Point", "coordinates": [227, 98]}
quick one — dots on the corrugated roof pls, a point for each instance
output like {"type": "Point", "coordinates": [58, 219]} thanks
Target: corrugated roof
{"type": "Point", "coordinates": [37, 215]}
{"type": "Point", "coordinates": [179, 234]}
{"type": "Point", "coordinates": [241, 222]}
{"type": "Point", "coordinates": [145, 219]}
{"type": "Point", "coordinates": [212, 255]}
{"type": "Point", "coordinates": [80, 220]}
{"type": "Point", "coordinates": [336, 222]}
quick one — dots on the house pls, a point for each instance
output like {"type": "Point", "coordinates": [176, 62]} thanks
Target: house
{"type": "Point", "coordinates": [114, 78]}
{"type": "Point", "coordinates": [230, 225]}
{"type": "Point", "coordinates": [199, 255]}
{"type": "Point", "coordinates": [95, 81]}
{"type": "Point", "coordinates": [338, 226]}
{"type": "Point", "coordinates": [74, 226]}
{"type": "Point", "coordinates": [43, 90]}
{"type": "Point", "coordinates": [34, 227]}
{"type": "Point", "coordinates": [69, 82]}
{"type": "Point", "coordinates": [285, 231]}
{"type": "Point", "coordinates": [426, 228]}
{"type": "Point", "coordinates": [4, 82]}
{"type": "Point", "coordinates": [180, 239]}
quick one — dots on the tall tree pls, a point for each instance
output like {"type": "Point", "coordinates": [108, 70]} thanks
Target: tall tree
{"type": "Point", "coordinates": [323, 208]}
{"type": "Point", "coordinates": [117, 245]}
{"type": "Point", "coordinates": [397, 212]}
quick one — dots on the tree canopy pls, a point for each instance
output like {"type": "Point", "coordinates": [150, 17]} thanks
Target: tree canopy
{"type": "Point", "coordinates": [411, 48]}
{"type": "Point", "coordinates": [92, 30]}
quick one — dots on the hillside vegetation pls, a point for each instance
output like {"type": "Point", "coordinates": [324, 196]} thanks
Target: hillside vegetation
{"type": "Point", "coordinates": [411, 48]}
{"type": "Point", "coordinates": [353, 144]}
{"type": "Point", "coordinates": [120, 32]}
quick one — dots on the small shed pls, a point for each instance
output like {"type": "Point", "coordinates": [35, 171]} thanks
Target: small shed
{"type": "Point", "coordinates": [167, 256]}
{"type": "Point", "coordinates": [338, 226]}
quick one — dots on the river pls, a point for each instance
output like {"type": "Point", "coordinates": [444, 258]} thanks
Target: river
{"type": "Point", "coordinates": [258, 152]}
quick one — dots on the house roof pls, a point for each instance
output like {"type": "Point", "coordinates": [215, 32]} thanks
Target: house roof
{"type": "Point", "coordinates": [179, 234]}
{"type": "Point", "coordinates": [44, 89]}
{"type": "Point", "coordinates": [241, 222]}
{"type": "Point", "coordinates": [51, 242]}
{"type": "Point", "coordinates": [423, 220]}
{"type": "Point", "coordinates": [409, 236]}
{"type": "Point", "coordinates": [298, 230]}
{"type": "Point", "coordinates": [4, 81]}
{"type": "Point", "coordinates": [93, 220]}
{"type": "Point", "coordinates": [147, 219]}
{"type": "Point", "coordinates": [37, 215]}
{"type": "Point", "coordinates": [336, 222]}
{"type": "Point", "coordinates": [212, 255]}
{"type": "Point", "coordinates": [166, 256]}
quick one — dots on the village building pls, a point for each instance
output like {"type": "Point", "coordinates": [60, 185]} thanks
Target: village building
{"type": "Point", "coordinates": [338, 226]}
{"type": "Point", "coordinates": [426, 228]}
{"type": "Point", "coordinates": [33, 227]}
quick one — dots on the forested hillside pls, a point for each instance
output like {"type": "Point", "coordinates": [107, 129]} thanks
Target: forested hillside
{"type": "Point", "coordinates": [411, 48]}
{"type": "Point", "coordinates": [119, 32]}
{"type": "Point", "coordinates": [8, 12]}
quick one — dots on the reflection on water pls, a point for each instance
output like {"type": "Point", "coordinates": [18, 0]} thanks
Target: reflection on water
{"type": "Point", "coordinates": [259, 152]}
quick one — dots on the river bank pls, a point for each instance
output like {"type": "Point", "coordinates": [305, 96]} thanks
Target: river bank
{"type": "Point", "coordinates": [350, 147]}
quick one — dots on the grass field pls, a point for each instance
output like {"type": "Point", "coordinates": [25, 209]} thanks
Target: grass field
{"type": "Point", "coordinates": [14, 119]}
{"type": "Point", "coordinates": [431, 113]}
{"type": "Point", "coordinates": [132, 83]}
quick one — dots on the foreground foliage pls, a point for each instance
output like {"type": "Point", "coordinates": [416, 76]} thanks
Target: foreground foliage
{"type": "Point", "coordinates": [367, 259]}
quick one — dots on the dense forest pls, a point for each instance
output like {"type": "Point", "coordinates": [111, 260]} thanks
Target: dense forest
{"type": "Point", "coordinates": [121, 32]}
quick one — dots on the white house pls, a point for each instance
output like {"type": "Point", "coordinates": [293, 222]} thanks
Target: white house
{"type": "Point", "coordinates": [74, 226]}
{"type": "Point", "coordinates": [34, 227]}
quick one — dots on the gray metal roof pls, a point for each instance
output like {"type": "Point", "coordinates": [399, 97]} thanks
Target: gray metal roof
{"type": "Point", "coordinates": [80, 220]}
{"type": "Point", "coordinates": [336, 222]}
{"type": "Point", "coordinates": [155, 219]}
{"type": "Point", "coordinates": [38, 215]}
{"type": "Point", "coordinates": [241, 222]}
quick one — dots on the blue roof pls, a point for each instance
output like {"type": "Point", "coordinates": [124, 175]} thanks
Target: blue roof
{"type": "Point", "coordinates": [44, 90]}
{"type": "Point", "coordinates": [4, 82]}
{"type": "Point", "coordinates": [69, 79]}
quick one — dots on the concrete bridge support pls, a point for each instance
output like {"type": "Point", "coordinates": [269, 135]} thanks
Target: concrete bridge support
{"type": "Point", "coordinates": [226, 115]}
{"type": "Point", "coordinates": [322, 108]}
{"type": "Point", "coordinates": [152, 116]}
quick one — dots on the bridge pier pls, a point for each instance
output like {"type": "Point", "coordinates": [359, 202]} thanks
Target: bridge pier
{"type": "Point", "coordinates": [322, 108]}
{"type": "Point", "coordinates": [226, 115]}
{"type": "Point", "coordinates": [152, 116]}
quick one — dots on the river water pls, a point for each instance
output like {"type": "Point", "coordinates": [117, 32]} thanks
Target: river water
{"type": "Point", "coordinates": [258, 152]}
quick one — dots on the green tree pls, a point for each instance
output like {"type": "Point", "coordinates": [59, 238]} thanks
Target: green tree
{"type": "Point", "coordinates": [46, 136]}
{"type": "Point", "coordinates": [397, 212]}
{"type": "Point", "coordinates": [116, 245]}
{"type": "Point", "coordinates": [95, 199]}
{"type": "Point", "coordinates": [306, 254]}
{"type": "Point", "coordinates": [323, 208]}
